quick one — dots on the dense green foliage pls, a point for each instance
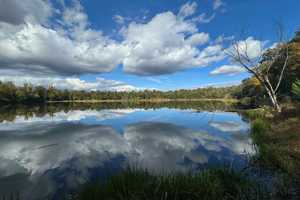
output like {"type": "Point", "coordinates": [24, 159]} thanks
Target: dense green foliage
{"type": "Point", "coordinates": [296, 89]}
{"type": "Point", "coordinates": [131, 184]}
{"type": "Point", "coordinates": [9, 93]}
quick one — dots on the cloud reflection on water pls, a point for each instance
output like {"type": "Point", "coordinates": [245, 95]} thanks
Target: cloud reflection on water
{"type": "Point", "coordinates": [74, 151]}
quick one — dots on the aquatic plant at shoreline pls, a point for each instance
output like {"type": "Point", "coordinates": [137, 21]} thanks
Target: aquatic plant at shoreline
{"type": "Point", "coordinates": [213, 183]}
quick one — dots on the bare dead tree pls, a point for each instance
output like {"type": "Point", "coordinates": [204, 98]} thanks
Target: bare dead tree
{"type": "Point", "coordinates": [260, 66]}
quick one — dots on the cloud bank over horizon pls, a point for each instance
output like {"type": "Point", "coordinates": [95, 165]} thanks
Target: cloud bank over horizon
{"type": "Point", "coordinates": [71, 83]}
{"type": "Point", "coordinates": [55, 38]}
{"type": "Point", "coordinates": [31, 42]}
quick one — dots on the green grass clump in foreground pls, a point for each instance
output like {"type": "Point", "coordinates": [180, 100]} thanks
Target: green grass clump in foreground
{"type": "Point", "coordinates": [277, 142]}
{"type": "Point", "coordinates": [135, 184]}
{"type": "Point", "coordinates": [277, 139]}
{"type": "Point", "coordinates": [253, 114]}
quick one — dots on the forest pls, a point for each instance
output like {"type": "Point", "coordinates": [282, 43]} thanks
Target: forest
{"type": "Point", "coordinates": [9, 93]}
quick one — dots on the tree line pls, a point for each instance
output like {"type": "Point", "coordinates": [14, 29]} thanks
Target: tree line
{"type": "Point", "coordinates": [11, 112]}
{"type": "Point", "coordinates": [11, 94]}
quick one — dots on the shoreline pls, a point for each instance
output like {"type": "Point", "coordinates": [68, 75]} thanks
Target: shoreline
{"type": "Point", "coordinates": [142, 100]}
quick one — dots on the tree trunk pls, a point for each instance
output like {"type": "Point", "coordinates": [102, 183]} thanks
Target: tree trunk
{"type": "Point", "coordinates": [276, 104]}
{"type": "Point", "coordinates": [273, 98]}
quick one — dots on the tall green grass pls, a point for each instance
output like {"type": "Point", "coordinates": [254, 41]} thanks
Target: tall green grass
{"type": "Point", "coordinates": [253, 114]}
{"type": "Point", "coordinates": [12, 196]}
{"type": "Point", "coordinates": [273, 154]}
{"type": "Point", "coordinates": [270, 153]}
{"type": "Point", "coordinates": [210, 184]}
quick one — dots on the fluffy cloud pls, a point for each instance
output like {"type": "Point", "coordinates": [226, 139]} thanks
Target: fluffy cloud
{"type": "Point", "coordinates": [198, 39]}
{"type": "Point", "coordinates": [228, 126]}
{"type": "Point", "coordinates": [228, 69]}
{"type": "Point", "coordinates": [22, 122]}
{"type": "Point", "coordinates": [100, 84]}
{"type": "Point", "coordinates": [32, 43]}
{"type": "Point", "coordinates": [70, 47]}
{"type": "Point", "coordinates": [203, 18]}
{"type": "Point", "coordinates": [119, 19]}
{"type": "Point", "coordinates": [187, 9]}
{"type": "Point", "coordinates": [75, 16]}
{"type": "Point", "coordinates": [17, 12]}
{"type": "Point", "coordinates": [35, 47]}
{"type": "Point", "coordinates": [250, 47]}
{"type": "Point", "coordinates": [167, 44]}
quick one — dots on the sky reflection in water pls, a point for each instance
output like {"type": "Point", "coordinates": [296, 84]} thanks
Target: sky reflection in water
{"type": "Point", "coordinates": [42, 155]}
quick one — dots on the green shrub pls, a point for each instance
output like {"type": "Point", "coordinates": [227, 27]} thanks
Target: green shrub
{"type": "Point", "coordinates": [253, 114]}
{"type": "Point", "coordinates": [296, 89]}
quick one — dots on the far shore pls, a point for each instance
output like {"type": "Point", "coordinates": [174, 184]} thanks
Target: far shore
{"type": "Point", "coordinates": [142, 100]}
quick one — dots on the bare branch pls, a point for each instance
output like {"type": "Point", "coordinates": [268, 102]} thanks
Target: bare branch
{"type": "Point", "coordinates": [283, 68]}
{"type": "Point", "coordinates": [243, 60]}
{"type": "Point", "coordinates": [261, 65]}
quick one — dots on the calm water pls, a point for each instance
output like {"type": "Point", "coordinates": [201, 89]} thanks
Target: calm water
{"type": "Point", "coordinates": [43, 154]}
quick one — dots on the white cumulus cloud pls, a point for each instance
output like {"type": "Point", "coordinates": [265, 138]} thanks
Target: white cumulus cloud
{"type": "Point", "coordinates": [167, 44]}
{"type": "Point", "coordinates": [228, 69]}
{"type": "Point", "coordinates": [119, 19]}
{"type": "Point", "coordinates": [187, 9]}
{"type": "Point", "coordinates": [71, 83]}
{"type": "Point", "coordinates": [250, 47]}
{"type": "Point", "coordinates": [70, 47]}
{"type": "Point", "coordinates": [31, 42]}
{"type": "Point", "coordinates": [17, 12]}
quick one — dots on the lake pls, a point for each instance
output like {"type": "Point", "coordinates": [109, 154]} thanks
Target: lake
{"type": "Point", "coordinates": [46, 150]}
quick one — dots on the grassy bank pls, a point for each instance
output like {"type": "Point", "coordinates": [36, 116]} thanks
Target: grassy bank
{"type": "Point", "coordinates": [133, 184]}
{"type": "Point", "coordinates": [277, 138]}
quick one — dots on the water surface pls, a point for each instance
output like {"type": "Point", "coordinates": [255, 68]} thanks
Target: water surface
{"type": "Point", "coordinates": [44, 154]}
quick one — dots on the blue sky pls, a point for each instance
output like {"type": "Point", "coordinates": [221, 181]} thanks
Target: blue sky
{"type": "Point", "coordinates": [256, 17]}
{"type": "Point", "coordinates": [112, 41]}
